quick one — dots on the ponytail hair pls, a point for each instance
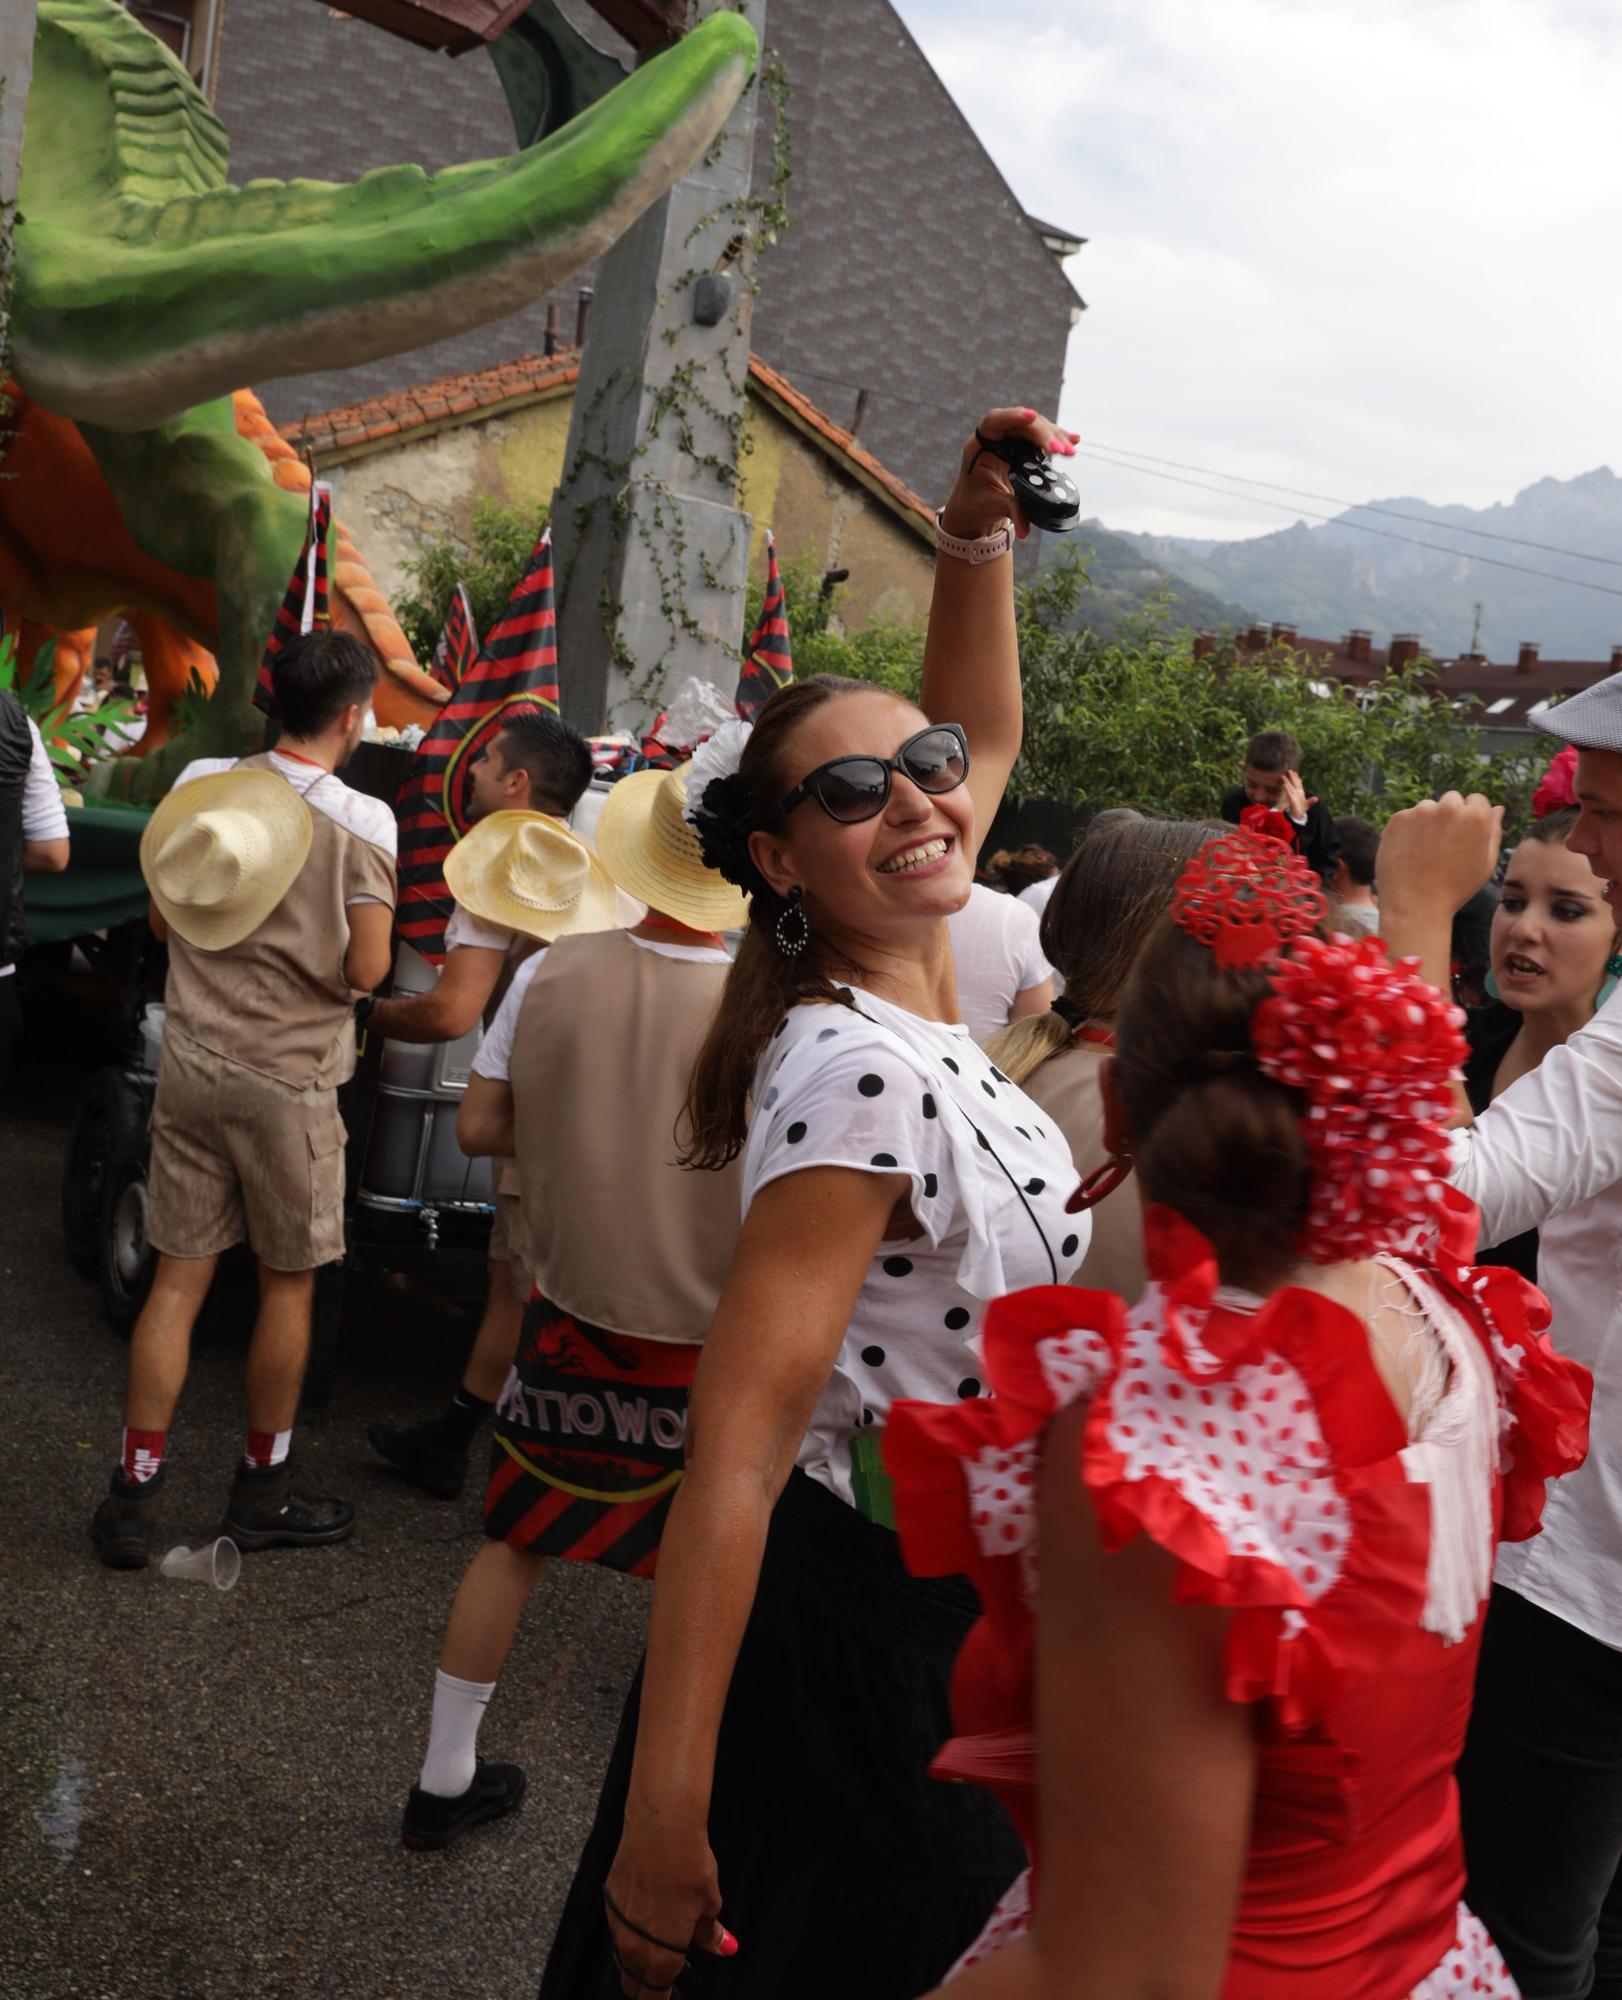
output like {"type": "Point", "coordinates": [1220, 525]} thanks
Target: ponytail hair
{"type": "Point", "coordinates": [1212, 1137]}
{"type": "Point", "coordinates": [763, 983]}
{"type": "Point", "coordinates": [1108, 898]}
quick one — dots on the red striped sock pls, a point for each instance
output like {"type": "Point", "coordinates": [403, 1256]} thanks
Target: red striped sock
{"type": "Point", "coordinates": [266, 1448]}
{"type": "Point", "coordinates": [142, 1455]}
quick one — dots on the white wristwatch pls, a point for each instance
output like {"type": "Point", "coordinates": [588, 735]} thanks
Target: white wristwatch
{"type": "Point", "coordinates": [986, 549]}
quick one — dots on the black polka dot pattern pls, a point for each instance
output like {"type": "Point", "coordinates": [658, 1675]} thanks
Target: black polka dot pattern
{"type": "Point", "coordinates": [873, 1356]}
{"type": "Point", "coordinates": [952, 1066]}
{"type": "Point", "coordinates": [827, 1034]}
{"type": "Point", "coordinates": [932, 1187]}
{"type": "Point", "coordinates": [997, 1073]}
{"type": "Point", "coordinates": [968, 1387]}
{"type": "Point", "coordinates": [1035, 1186]}
{"type": "Point", "coordinates": [796, 1132]}
{"type": "Point", "coordinates": [871, 1085]}
{"type": "Point", "coordinates": [929, 1105]}
{"type": "Point", "coordinates": [867, 1419]}
{"type": "Point", "coordinates": [1069, 1246]}
{"type": "Point", "coordinates": [958, 1318]}
{"type": "Point", "coordinates": [986, 1087]}
{"type": "Point", "coordinates": [883, 1160]}
{"type": "Point", "coordinates": [898, 1267]}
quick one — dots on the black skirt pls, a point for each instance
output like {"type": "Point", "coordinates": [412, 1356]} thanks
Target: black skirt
{"type": "Point", "coordinates": [845, 1869]}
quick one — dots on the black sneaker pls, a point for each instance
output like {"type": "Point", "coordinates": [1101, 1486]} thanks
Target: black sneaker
{"type": "Point", "coordinates": [430, 1821]}
{"type": "Point", "coordinates": [264, 1512]}
{"type": "Point", "coordinates": [122, 1526]}
{"type": "Point", "coordinates": [422, 1458]}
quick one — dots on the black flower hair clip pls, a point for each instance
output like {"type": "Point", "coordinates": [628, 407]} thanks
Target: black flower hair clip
{"type": "Point", "coordinates": [721, 821]}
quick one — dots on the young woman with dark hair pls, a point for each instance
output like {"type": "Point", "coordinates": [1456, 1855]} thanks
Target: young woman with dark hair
{"type": "Point", "coordinates": [1235, 1545]}
{"type": "Point", "coordinates": [1112, 892]}
{"type": "Point", "coordinates": [769, 1794]}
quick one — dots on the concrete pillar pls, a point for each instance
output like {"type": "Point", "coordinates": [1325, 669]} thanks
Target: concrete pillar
{"type": "Point", "coordinates": [651, 552]}
{"type": "Point", "coordinates": [16, 70]}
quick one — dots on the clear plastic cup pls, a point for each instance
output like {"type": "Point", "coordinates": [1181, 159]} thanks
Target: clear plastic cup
{"type": "Point", "coordinates": [218, 1562]}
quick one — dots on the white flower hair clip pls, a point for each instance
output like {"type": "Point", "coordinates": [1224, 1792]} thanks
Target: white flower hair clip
{"type": "Point", "coordinates": [717, 757]}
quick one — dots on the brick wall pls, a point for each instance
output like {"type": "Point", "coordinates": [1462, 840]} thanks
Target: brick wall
{"type": "Point", "coordinates": [908, 268]}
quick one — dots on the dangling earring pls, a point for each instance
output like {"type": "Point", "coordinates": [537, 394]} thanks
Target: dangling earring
{"type": "Point", "coordinates": [1489, 985]}
{"type": "Point", "coordinates": [1099, 1185]}
{"type": "Point", "coordinates": [1613, 973]}
{"type": "Point", "coordinates": [793, 931]}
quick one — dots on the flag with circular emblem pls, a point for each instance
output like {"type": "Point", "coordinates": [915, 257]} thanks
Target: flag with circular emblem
{"type": "Point", "coordinates": [516, 668]}
{"type": "Point", "coordinates": [305, 602]}
{"type": "Point", "coordinates": [769, 664]}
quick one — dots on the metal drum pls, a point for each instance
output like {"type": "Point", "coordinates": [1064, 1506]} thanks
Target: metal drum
{"type": "Point", "coordinates": [413, 1163]}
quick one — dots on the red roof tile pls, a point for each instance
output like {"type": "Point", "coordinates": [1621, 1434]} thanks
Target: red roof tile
{"type": "Point", "coordinates": [537, 375]}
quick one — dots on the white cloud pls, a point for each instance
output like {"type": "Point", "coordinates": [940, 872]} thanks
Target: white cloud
{"type": "Point", "coordinates": [1365, 247]}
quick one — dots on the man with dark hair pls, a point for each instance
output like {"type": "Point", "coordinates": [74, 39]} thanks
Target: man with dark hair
{"type": "Point", "coordinates": [1272, 784]}
{"type": "Point", "coordinates": [33, 841]}
{"type": "Point", "coordinates": [536, 764]}
{"type": "Point", "coordinates": [273, 883]}
{"type": "Point", "coordinates": [1352, 884]}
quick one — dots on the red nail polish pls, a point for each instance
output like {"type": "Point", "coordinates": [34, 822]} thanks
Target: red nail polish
{"type": "Point", "coordinates": [1028, 413]}
{"type": "Point", "coordinates": [729, 1945]}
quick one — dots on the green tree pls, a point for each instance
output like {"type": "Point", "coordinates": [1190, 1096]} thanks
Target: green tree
{"type": "Point", "coordinates": [490, 566]}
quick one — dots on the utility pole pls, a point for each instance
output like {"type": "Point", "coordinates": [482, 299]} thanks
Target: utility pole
{"type": "Point", "coordinates": [651, 550]}
{"type": "Point", "coordinates": [16, 71]}
{"type": "Point", "coordinates": [1475, 634]}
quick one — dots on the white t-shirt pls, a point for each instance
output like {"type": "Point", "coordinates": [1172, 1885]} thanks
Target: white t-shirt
{"type": "Point", "coordinates": [882, 1091]}
{"type": "Point", "coordinates": [358, 813]}
{"type": "Point", "coordinates": [1360, 919]}
{"type": "Point", "coordinates": [998, 950]}
{"type": "Point", "coordinates": [494, 1059]}
{"type": "Point", "coordinates": [1036, 896]}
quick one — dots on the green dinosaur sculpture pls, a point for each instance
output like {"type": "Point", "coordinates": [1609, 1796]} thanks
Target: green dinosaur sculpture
{"type": "Point", "coordinates": [146, 288]}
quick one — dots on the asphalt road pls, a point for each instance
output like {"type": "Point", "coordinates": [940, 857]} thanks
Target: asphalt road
{"type": "Point", "coordinates": [200, 1793]}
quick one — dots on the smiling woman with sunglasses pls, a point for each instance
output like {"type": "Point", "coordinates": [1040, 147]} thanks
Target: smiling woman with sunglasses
{"type": "Point", "coordinates": [775, 1832]}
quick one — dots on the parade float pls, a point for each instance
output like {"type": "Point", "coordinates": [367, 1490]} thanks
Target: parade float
{"type": "Point", "coordinates": [140, 479]}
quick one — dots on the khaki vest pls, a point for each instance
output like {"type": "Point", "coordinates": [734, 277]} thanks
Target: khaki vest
{"type": "Point", "coordinates": [615, 1232]}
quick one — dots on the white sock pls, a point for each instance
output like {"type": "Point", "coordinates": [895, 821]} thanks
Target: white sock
{"type": "Point", "coordinates": [453, 1736]}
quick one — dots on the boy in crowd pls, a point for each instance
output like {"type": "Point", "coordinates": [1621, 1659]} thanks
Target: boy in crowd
{"type": "Point", "coordinates": [1272, 781]}
{"type": "Point", "coordinates": [1352, 884]}
{"type": "Point", "coordinates": [274, 885]}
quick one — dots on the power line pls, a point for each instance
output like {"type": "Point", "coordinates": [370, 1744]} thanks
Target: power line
{"type": "Point", "coordinates": [1362, 527]}
{"type": "Point", "coordinates": [1369, 507]}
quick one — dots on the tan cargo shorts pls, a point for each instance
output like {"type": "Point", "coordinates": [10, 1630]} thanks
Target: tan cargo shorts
{"type": "Point", "coordinates": [237, 1156]}
{"type": "Point", "coordinates": [507, 1231]}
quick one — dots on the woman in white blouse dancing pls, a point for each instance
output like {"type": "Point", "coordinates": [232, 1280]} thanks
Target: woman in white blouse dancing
{"type": "Point", "coordinates": [772, 1764]}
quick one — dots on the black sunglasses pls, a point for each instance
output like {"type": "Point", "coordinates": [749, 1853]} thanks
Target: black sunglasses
{"type": "Point", "coordinates": [850, 789]}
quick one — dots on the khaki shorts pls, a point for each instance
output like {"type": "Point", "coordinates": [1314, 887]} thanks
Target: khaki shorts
{"type": "Point", "coordinates": [238, 1156]}
{"type": "Point", "coordinates": [507, 1230]}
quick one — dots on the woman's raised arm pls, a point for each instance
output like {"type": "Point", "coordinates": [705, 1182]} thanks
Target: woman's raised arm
{"type": "Point", "coordinates": [971, 655]}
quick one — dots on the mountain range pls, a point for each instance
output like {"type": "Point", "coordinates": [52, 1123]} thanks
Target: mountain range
{"type": "Point", "coordinates": [1329, 578]}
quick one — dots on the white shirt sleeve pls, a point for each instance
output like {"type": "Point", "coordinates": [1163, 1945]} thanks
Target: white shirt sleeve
{"type": "Point", "coordinates": [494, 1059]}
{"type": "Point", "coordinates": [44, 815]}
{"type": "Point", "coordinates": [1026, 945]}
{"type": "Point", "coordinates": [1553, 1139]}
{"type": "Point", "coordinates": [465, 928]}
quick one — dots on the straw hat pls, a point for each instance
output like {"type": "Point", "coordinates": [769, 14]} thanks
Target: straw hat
{"type": "Point", "coordinates": [653, 854]}
{"type": "Point", "coordinates": [529, 873]}
{"type": "Point", "coordinates": [222, 851]}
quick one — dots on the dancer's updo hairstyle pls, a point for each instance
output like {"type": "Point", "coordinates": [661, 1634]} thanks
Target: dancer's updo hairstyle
{"type": "Point", "coordinates": [763, 983]}
{"type": "Point", "coordinates": [1212, 1137]}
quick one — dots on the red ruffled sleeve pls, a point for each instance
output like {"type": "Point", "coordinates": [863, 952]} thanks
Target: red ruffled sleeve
{"type": "Point", "coordinates": [1544, 1398]}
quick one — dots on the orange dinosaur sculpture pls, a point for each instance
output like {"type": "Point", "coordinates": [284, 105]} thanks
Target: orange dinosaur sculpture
{"type": "Point", "coordinates": [69, 564]}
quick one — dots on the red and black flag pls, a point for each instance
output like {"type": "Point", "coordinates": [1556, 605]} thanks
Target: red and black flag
{"type": "Point", "coordinates": [458, 644]}
{"type": "Point", "coordinates": [305, 602]}
{"type": "Point", "coordinates": [769, 664]}
{"type": "Point", "coordinates": [518, 668]}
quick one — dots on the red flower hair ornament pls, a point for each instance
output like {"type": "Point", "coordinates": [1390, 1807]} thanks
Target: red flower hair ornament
{"type": "Point", "coordinates": [1244, 895]}
{"type": "Point", "coordinates": [1371, 1046]}
{"type": "Point", "coordinates": [1557, 788]}
{"type": "Point", "coordinates": [1268, 821]}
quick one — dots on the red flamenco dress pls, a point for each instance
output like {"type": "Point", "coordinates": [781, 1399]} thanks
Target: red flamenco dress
{"type": "Point", "coordinates": [1258, 1444]}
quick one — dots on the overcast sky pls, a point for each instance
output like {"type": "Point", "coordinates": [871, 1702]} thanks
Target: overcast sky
{"type": "Point", "coordinates": [1366, 247]}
